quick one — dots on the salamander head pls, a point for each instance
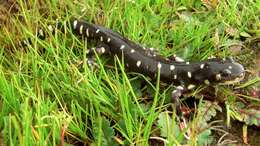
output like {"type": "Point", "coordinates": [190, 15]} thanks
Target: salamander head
{"type": "Point", "coordinates": [221, 71]}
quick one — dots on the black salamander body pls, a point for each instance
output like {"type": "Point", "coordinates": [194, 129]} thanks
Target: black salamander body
{"type": "Point", "coordinates": [145, 61]}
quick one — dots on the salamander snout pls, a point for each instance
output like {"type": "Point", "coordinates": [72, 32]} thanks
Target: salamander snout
{"type": "Point", "coordinates": [231, 73]}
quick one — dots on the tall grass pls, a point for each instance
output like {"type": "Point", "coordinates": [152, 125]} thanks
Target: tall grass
{"type": "Point", "coordinates": [50, 96]}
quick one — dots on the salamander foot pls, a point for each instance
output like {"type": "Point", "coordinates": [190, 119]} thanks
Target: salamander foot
{"type": "Point", "coordinates": [176, 94]}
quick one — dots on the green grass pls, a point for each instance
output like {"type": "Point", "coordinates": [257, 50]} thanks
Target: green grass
{"type": "Point", "coordinates": [50, 96]}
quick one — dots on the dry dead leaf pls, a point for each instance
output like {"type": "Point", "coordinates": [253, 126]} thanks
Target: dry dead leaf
{"type": "Point", "coordinates": [216, 39]}
{"type": "Point", "coordinates": [235, 49]}
{"type": "Point", "coordinates": [210, 4]}
{"type": "Point", "coordinates": [231, 31]}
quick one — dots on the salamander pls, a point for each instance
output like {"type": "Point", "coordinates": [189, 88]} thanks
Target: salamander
{"type": "Point", "coordinates": [145, 61]}
{"type": "Point", "coordinates": [174, 70]}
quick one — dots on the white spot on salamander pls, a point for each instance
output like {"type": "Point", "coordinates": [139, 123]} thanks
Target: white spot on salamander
{"type": "Point", "coordinates": [227, 71]}
{"type": "Point", "coordinates": [202, 66]}
{"type": "Point", "coordinates": [103, 50]}
{"type": "Point", "coordinates": [159, 65]}
{"type": "Point", "coordinates": [101, 39]}
{"type": "Point", "coordinates": [138, 63]}
{"type": "Point", "coordinates": [218, 76]}
{"type": "Point", "coordinates": [179, 87]}
{"type": "Point", "coordinates": [175, 77]}
{"type": "Point", "coordinates": [189, 74]}
{"type": "Point", "coordinates": [81, 29]}
{"type": "Point", "coordinates": [172, 67]}
{"type": "Point", "coordinates": [108, 40]}
{"type": "Point", "coordinates": [122, 47]}
{"type": "Point", "coordinates": [98, 30]}
{"type": "Point", "coordinates": [75, 24]}
{"type": "Point", "coordinates": [132, 50]}
{"type": "Point", "coordinates": [230, 67]}
{"type": "Point", "coordinates": [87, 32]}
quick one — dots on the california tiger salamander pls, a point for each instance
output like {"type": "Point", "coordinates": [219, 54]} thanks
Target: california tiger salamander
{"type": "Point", "coordinates": [174, 70]}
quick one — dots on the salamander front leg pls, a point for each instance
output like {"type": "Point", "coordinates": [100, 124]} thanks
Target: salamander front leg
{"type": "Point", "coordinates": [176, 94]}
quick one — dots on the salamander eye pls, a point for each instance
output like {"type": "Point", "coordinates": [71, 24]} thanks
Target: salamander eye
{"type": "Point", "coordinates": [228, 59]}
{"type": "Point", "coordinates": [206, 65]}
{"type": "Point", "coordinates": [226, 72]}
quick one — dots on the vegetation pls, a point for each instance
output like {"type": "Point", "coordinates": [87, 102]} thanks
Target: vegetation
{"type": "Point", "coordinates": [49, 95]}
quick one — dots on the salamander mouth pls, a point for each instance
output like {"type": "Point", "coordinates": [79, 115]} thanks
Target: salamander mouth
{"type": "Point", "coordinates": [234, 79]}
